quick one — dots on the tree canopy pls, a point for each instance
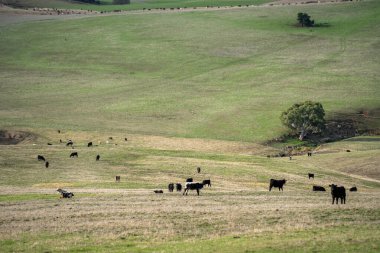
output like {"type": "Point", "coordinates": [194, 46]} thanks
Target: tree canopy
{"type": "Point", "coordinates": [304, 20]}
{"type": "Point", "coordinates": [304, 118]}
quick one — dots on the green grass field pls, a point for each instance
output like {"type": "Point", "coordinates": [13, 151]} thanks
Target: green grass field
{"type": "Point", "coordinates": [188, 89]}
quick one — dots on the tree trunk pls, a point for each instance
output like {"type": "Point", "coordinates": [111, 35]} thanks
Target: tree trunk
{"type": "Point", "coordinates": [302, 135]}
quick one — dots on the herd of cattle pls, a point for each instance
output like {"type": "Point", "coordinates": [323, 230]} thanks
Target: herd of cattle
{"type": "Point", "coordinates": [337, 192]}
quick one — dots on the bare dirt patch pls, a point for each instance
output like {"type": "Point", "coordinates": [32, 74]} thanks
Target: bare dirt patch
{"type": "Point", "coordinates": [14, 137]}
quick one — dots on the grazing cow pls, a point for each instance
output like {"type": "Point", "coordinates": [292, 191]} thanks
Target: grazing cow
{"type": "Point", "coordinates": [158, 191]}
{"type": "Point", "coordinates": [117, 178]}
{"type": "Point", "coordinates": [65, 194]}
{"type": "Point", "coordinates": [74, 154]}
{"type": "Point", "coordinates": [338, 193]}
{"type": "Point", "coordinates": [46, 164]}
{"type": "Point", "coordinates": [353, 189]}
{"type": "Point", "coordinates": [189, 180]}
{"type": "Point", "coordinates": [317, 188]}
{"type": "Point", "coordinates": [89, 144]}
{"type": "Point", "coordinates": [40, 158]}
{"type": "Point", "coordinates": [311, 175]}
{"type": "Point", "coordinates": [178, 187]}
{"type": "Point", "coordinates": [171, 187]}
{"type": "Point", "coordinates": [97, 157]}
{"type": "Point", "coordinates": [70, 143]}
{"type": "Point", "coordinates": [60, 141]}
{"type": "Point", "coordinates": [348, 150]}
{"type": "Point", "coordinates": [277, 183]}
{"type": "Point", "coordinates": [207, 182]}
{"type": "Point", "coordinates": [59, 131]}
{"type": "Point", "coordinates": [126, 139]}
{"type": "Point", "coordinates": [192, 186]}
{"type": "Point", "coordinates": [49, 144]}
{"type": "Point", "coordinates": [199, 169]}
{"type": "Point", "coordinates": [110, 138]}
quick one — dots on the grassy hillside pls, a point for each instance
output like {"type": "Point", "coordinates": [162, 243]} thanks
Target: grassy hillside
{"type": "Point", "coordinates": [221, 78]}
{"type": "Point", "coordinates": [217, 75]}
{"type": "Point", "coordinates": [106, 5]}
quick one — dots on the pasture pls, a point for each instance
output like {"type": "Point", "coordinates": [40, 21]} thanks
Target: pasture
{"type": "Point", "coordinates": [188, 89]}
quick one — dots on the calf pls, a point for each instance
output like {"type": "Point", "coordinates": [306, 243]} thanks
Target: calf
{"type": "Point", "coordinates": [40, 158]}
{"type": "Point", "coordinates": [207, 182]}
{"type": "Point", "coordinates": [317, 188]}
{"type": "Point", "coordinates": [117, 178]}
{"type": "Point", "coordinates": [311, 175]}
{"type": "Point", "coordinates": [178, 187]}
{"type": "Point", "coordinates": [277, 183]}
{"type": "Point", "coordinates": [65, 194]}
{"type": "Point", "coordinates": [97, 157]}
{"type": "Point", "coordinates": [158, 191]}
{"type": "Point", "coordinates": [189, 180]}
{"type": "Point", "coordinates": [192, 186]}
{"type": "Point", "coordinates": [74, 154]}
{"type": "Point", "coordinates": [171, 187]}
{"type": "Point", "coordinates": [89, 144]}
{"type": "Point", "coordinates": [353, 189]}
{"type": "Point", "coordinates": [338, 193]}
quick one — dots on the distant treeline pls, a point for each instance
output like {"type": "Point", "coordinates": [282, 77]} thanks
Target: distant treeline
{"type": "Point", "coordinates": [89, 1]}
{"type": "Point", "coordinates": [98, 2]}
{"type": "Point", "coordinates": [121, 1]}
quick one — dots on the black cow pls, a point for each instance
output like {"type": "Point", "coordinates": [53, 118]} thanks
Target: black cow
{"type": "Point", "coordinates": [59, 131]}
{"type": "Point", "coordinates": [40, 158]}
{"type": "Point", "coordinates": [65, 194]}
{"type": "Point", "coordinates": [97, 157]}
{"type": "Point", "coordinates": [317, 188]}
{"type": "Point", "coordinates": [311, 175]}
{"type": "Point", "coordinates": [70, 143]}
{"type": "Point", "coordinates": [338, 193]}
{"type": "Point", "coordinates": [60, 141]}
{"type": "Point", "coordinates": [309, 153]}
{"type": "Point", "coordinates": [49, 144]}
{"type": "Point", "coordinates": [126, 139]}
{"type": "Point", "coordinates": [189, 180]}
{"type": "Point", "coordinates": [117, 178]}
{"type": "Point", "coordinates": [46, 164]}
{"type": "Point", "coordinates": [353, 189]}
{"type": "Point", "coordinates": [178, 187]}
{"type": "Point", "coordinates": [199, 169]}
{"type": "Point", "coordinates": [192, 186]}
{"type": "Point", "coordinates": [277, 183]}
{"type": "Point", "coordinates": [158, 191]}
{"type": "Point", "coordinates": [207, 182]}
{"type": "Point", "coordinates": [74, 154]}
{"type": "Point", "coordinates": [89, 144]}
{"type": "Point", "coordinates": [171, 187]}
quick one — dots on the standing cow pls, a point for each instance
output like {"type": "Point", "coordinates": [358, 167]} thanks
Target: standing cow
{"type": "Point", "coordinates": [171, 187]}
{"type": "Point", "coordinates": [277, 183]}
{"type": "Point", "coordinates": [192, 186]}
{"type": "Point", "coordinates": [338, 192]}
